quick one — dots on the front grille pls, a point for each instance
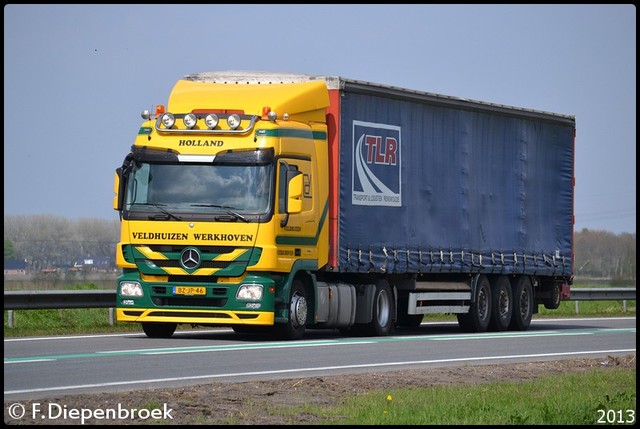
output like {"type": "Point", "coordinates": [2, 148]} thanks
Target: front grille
{"type": "Point", "coordinates": [205, 264]}
{"type": "Point", "coordinates": [188, 301]}
{"type": "Point", "coordinates": [192, 279]}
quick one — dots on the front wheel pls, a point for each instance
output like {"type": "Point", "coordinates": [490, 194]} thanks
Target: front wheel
{"type": "Point", "coordinates": [159, 329]}
{"type": "Point", "coordinates": [295, 326]}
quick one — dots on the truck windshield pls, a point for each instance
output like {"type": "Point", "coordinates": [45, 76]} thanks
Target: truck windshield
{"type": "Point", "coordinates": [198, 188]}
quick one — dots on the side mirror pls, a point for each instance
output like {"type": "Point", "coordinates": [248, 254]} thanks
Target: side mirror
{"type": "Point", "coordinates": [118, 189]}
{"type": "Point", "coordinates": [294, 194]}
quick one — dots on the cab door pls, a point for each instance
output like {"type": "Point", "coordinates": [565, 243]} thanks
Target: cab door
{"type": "Point", "coordinates": [297, 235]}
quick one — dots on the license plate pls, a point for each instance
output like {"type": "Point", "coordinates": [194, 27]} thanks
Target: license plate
{"type": "Point", "coordinates": [189, 290]}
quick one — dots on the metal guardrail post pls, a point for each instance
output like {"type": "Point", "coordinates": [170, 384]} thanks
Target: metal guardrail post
{"type": "Point", "coordinates": [10, 321]}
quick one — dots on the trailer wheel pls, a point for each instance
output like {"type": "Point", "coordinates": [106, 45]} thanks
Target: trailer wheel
{"type": "Point", "coordinates": [294, 328]}
{"type": "Point", "coordinates": [522, 303]}
{"type": "Point", "coordinates": [382, 322]}
{"type": "Point", "coordinates": [501, 304]}
{"type": "Point", "coordinates": [479, 315]}
{"type": "Point", "coordinates": [553, 301]}
{"type": "Point", "coordinates": [159, 329]}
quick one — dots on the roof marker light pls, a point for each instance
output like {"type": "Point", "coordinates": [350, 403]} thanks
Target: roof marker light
{"type": "Point", "coordinates": [147, 115]}
{"type": "Point", "coordinates": [265, 112]}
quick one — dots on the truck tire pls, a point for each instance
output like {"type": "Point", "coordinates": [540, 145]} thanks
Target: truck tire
{"type": "Point", "coordinates": [159, 329]}
{"type": "Point", "coordinates": [296, 324]}
{"type": "Point", "coordinates": [479, 315]}
{"type": "Point", "coordinates": [501, 304]}
{"type": "Point", "coordinates": [553, 301]}
{"type": "Point", "coordinates": [382, 322]}
{"type": "Point", "coordinates": [522, 303]}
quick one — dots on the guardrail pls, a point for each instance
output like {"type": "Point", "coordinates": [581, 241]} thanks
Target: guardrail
{"type": "Point", "coordinates": [55, 299]}
{"type": "Point", "coordinates": [623, 294]}
{"type": "Point", "coordinates": [602, 294]}
{"type": "Point", "coordinates": [58, 299]}
{"type": "Point", "coordinates": [64, 299]}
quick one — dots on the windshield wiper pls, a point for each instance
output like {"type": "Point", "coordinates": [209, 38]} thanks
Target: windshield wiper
{"type": "Point", "coordinates": [159, 207]}
{"type": "Point", "coordinates": [227, 209]}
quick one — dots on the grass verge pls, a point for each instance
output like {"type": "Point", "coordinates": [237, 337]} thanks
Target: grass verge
{"type": "Point", "coordinates": [595, 397]}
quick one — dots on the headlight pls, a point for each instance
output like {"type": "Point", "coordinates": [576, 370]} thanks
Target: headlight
{"type": "Point", "coordinates": [190, 120]}
{"type": "Point", "coordinates": [234, 121]}
{"type": "Point", "coordinates": [168, 120]}
{"type": "Point", "coordinates": [211, 120]}
{"type": "Point", "coordinates": [250, 292]}
{"type": "Point", "coordinates": [131, 289]}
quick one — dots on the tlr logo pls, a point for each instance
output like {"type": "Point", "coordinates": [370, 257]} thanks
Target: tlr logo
{"type": "Point", "coordinates": [375, 177]}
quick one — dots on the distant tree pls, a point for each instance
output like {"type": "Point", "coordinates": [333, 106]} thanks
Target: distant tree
{"type": "Point", "coordinates": [47, 241]}
{"type": "Point", "coordinates": [602, 254]}
{"type": "Point", "coordinates": [9, 251]}
{"type": "Point", "coordinates": [627, 256]}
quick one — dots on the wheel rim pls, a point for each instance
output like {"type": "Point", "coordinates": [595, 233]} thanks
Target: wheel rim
{"type": "Point", "coordinates": [298, 310]}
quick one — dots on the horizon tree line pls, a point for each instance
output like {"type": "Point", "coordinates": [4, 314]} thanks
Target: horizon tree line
{"type": "Point", "coordinates": [47, 241]}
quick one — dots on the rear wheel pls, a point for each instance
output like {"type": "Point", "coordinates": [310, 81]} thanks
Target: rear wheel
{"type": "Point", "coordinates": [522, 303]}
{"type": "Point", "coordinates": [295, 326]}
{"type": "Point", "coordinates": [479, 315]}
{"type": "Point", "coordinates": [501, 304]}
{"type": "Point", "coordinates": [382, 322]}
{"type": "Point", "coordinates": [552, 302]}
{"type": "Point", "coordinates": [159, 329]}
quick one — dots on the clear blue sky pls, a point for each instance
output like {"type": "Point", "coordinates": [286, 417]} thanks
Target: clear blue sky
{"type": "Point", "coordinates": [76, 78]}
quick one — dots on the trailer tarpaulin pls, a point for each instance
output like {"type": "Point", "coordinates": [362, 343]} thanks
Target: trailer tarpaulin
{"type": "Point", "coordinates": [428, 188]}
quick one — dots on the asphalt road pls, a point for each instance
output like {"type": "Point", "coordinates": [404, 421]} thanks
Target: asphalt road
{"type": "Point", "coordinates": [38, 368]}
